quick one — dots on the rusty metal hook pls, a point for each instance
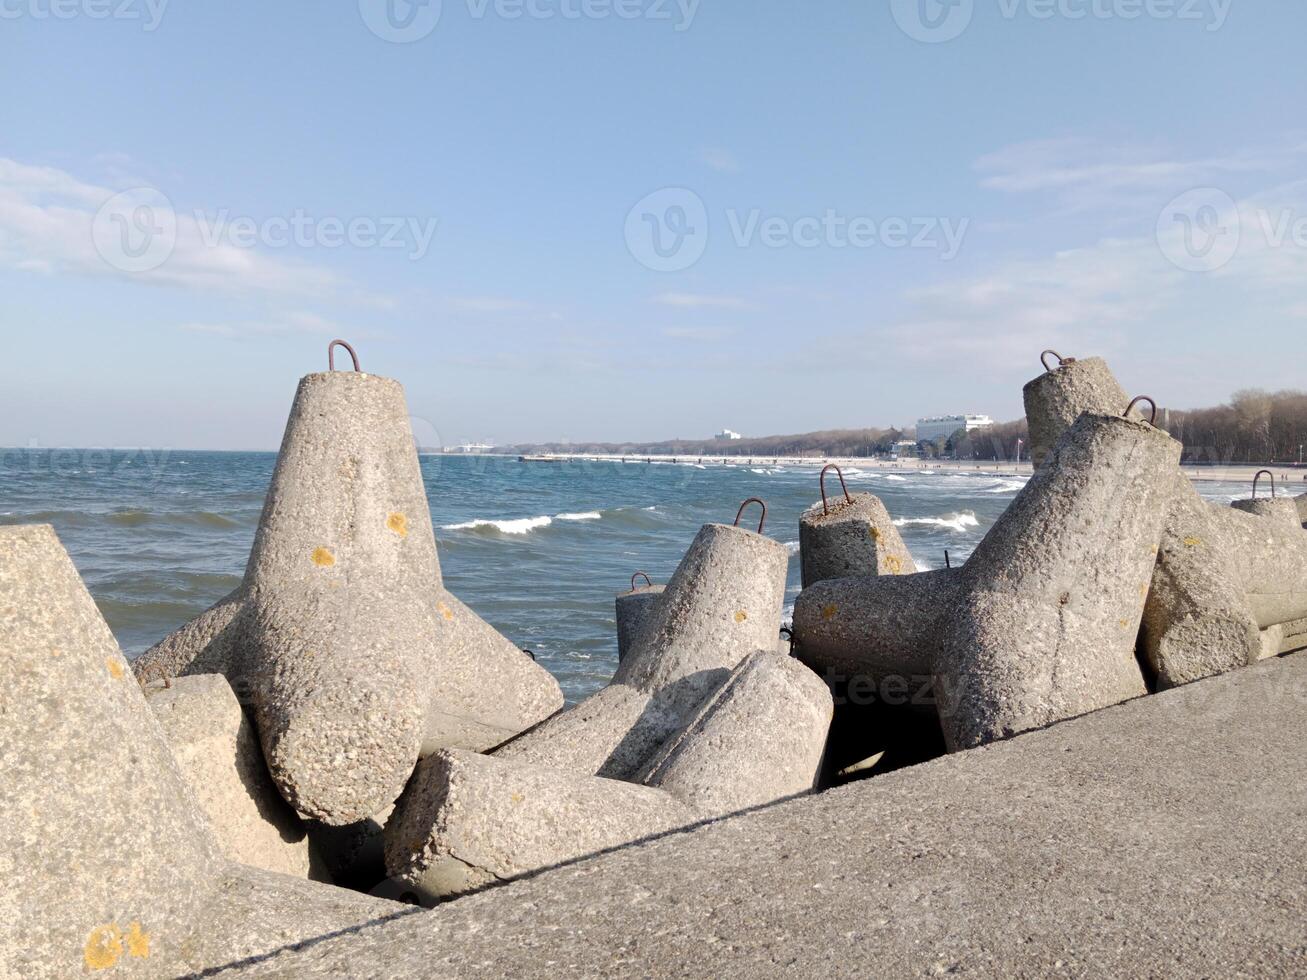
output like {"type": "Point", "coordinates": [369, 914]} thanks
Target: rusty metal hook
{"type": "Point", "coordinates": [1043, 359]}
{"type": "Point", "coordinates": [947, 562]}
{"type": "Point", "coordinates": [761, 520]}
{"type": "Point", "coordinates": [331, 354]}
{"type": "Point", "coordinates": [1258, 476]}
{"type": "Point", "coordinates": [530, 653]}
{"type": "Point", "coordinates": [825, 507]}
{"type": "Point", "coordinates": [1143, 398]}
{"type": "Point", "coordinates": [637, 575]}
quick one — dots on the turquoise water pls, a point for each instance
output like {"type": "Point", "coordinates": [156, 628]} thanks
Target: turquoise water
{"type": "Point", "coordinates": [537, 549]}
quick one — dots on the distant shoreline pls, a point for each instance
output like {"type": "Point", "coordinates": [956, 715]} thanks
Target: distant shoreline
{"type": "Point", "coordinates": [1288, 477]}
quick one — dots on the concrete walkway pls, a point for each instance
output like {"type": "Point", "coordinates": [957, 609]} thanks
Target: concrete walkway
{"type": "Point", "coordinates": [1164, 837]}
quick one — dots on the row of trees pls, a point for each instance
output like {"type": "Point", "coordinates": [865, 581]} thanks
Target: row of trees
{"type": "Point", "coordinates": [1255, 427]}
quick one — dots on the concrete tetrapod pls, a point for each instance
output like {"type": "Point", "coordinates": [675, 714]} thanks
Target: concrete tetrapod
{"type": "Point", "coordinates": [108, 863]}
{"type": "Point", "coordinates": [722, 603]}
{"type": "Point", "coordinates": [355, 658]}
{"type": "Point", "coordinates": [852, 535]}
{"type": "Point", "coordinates": [218, 753]}
{"type": "Point", "coordinates": [466, 820]}
{"type": "Point", "coordinates": [1060, 395]}
{"type": "Point", "coordinates": [1282, 509]}
{"type": "Point", "coordinates": [1220, 573]}
{"type": "Point", "coordinates": [1046, 622]}
{"type": "Point", "coordinates": [632, 610]}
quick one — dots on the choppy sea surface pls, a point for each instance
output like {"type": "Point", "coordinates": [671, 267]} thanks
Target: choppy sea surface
{"type": "Point", "coordinates": [538, 549]}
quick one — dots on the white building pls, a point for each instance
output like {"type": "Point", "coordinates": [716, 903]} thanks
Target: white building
{"type": "Point", "coordinates": [943, 426]}
{"type": "Point", "coordinates": [728, 434]}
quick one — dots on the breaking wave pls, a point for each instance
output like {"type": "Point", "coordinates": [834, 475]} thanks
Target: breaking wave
{"type": "Point", "coordinates": [959, 521]}
{"type": "Point", "coordinates": [520, 525]}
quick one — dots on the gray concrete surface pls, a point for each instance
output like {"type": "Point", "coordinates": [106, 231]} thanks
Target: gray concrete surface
{"type": "Point", "coordinates": [107, 861]}
{"type": "Point", "coordinates": [218, 752]}
{"type": "Point", "coordinates": [466, 821]}
{"type": "Point", "coordinates": [1281, 509]}
{"type": "Point", "coordinates": [342, 638]}
{"type": "Point", "coordinates": [1058, 397]}
{"type": "Point", "coordinates": [633, 609]}
{"type": "Point", "coordinates": [722, 603]}
{"type": "Point", "coordinates": [1053, 595]}
{"type": "Point", "coordinates": [850, 536]}
{"type": "Point", "coordinates": [1165, 837]}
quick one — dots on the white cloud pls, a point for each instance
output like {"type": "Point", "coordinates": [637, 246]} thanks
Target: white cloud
{"type": "Point", "coordinates": [297, 322]}
{"type": "Point", "coordinates": [46, 225]}
{"type": "Point", "coordinates": [694, 301]}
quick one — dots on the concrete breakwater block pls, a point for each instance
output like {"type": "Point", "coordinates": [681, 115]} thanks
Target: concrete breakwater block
{"type": "Point", "coordinates": [633, 609]}
{"type": "Point", "coordinates": [215, 747]}
{"type": "Point", "coordinates": [1060, 395]}
{"type": "Point", "coordinates": [722, 603]}
{"type": "Point", "coordinates": [849, 534]}
{"type": "Point", "coordinates": [108, 863]}
{"type": "Point", "coordinates": [1220, 574]}
{"type": "Point", "coordinates": [1047, 621]}
{"type": "Point", "coordinates": [466, 821]}
{"type": "Point", "coordinates": [1282, 509]}
{"type": "Point", "coordinates": [354, 657]}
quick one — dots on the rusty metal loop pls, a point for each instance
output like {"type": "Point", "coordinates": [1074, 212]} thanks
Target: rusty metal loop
{"type": "Point", "coordinates": [761, 520]}
{"type": "Point", "coordinates": [1143, 398]}
{"type": "Point", "coordinates": [1258, 476]}
{"type": "Point", "coordinates": [948, 563]}
{"type": "Point", "coordinates": [825, 507]}
{"type": "Point", "coordinates": [331, 355]}
{"type": "Point", "coordinates": [530, 653]}
{"type": "Point", "coordinates": [1043, 359]}
{"type": "Point", "coordinates": [647, 579]}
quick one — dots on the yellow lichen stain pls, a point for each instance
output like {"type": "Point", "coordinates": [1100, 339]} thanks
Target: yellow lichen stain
{"type": "Point", "coordinates": [1192, 542]}
{"type": "Point", "coordinates": [323, 558]}
{"type": "Point", "coordinates": [104, 947]}
{"type": "Point", "coordinates": [446, 612]}
{"type": "Point", "coordinates": [138, 941]}
{"type": "Point", "coordinates": [893, 565]}
{"type": "Point", "coordinates": [115, 668]}
{"type": "Point", "coordinates": [1125, 623]}
{"type": "Point", "coordinates": [1143, 589]}
{"type": "Point", "coordinates": [741, 616]}
{"type": "Point", "coordinates": [517, 797]}
{"type": "Point", "coordinates": [828, 612]}
{"type": "Point", "coordinates": [875, 534]}
{"type": "Point", "coordinates": [398, 523]}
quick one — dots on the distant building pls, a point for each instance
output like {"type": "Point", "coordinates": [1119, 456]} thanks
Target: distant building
{"type": "Point", "coordinates": [943, 426]}
{"type": "Point", "coordinates": [904, 448]}
{"type": "Point", "coordinates": [472, 448]}
{"type": "Point", "coordinates": [728, 434]}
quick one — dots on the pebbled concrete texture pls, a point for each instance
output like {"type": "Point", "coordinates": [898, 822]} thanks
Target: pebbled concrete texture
{"type": "Point", "coordinates": [1163, 837]}
{"type": "Point", "coordinates": [466, 821]}
{"type": "Point", "coordinates": [1281, 509]}
{"type": "Point", "coordinates": [218, 752]}
{"type": "Point", "coordinates": [878, 626]}
{"type": "Point", "coordinates": [632, 610]}
{"type": "Point", "coordinates": [855, 536]}
{"type": "Point", "coordinates": [1046, 624]}
{"type": "Point", "coordinates": [1056, 398]}
{"type": "Point", "coordinates": [107, 859]}
{"type": "Point", "coordinates": [354, 657]}
{"type": "Point", "coordinates": [722, 603]}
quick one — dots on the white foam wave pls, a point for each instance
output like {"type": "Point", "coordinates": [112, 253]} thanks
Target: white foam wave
{"type": "Point", "coordinates": [896, 478]}
{"type": "Point", "coordinates": [954, 522]}
{"type": "Point", "coordinates": [589, 515]}
{"type": "Point", "coordinates": [1006, 486]}
{"type": "Point", "coordinates": [523, 525]}
{"type": "Point", "coordinates": [792, 547]}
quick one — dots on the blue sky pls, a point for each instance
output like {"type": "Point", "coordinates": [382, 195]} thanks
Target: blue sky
{"type": "Point", "coordinates": [860, 217]}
